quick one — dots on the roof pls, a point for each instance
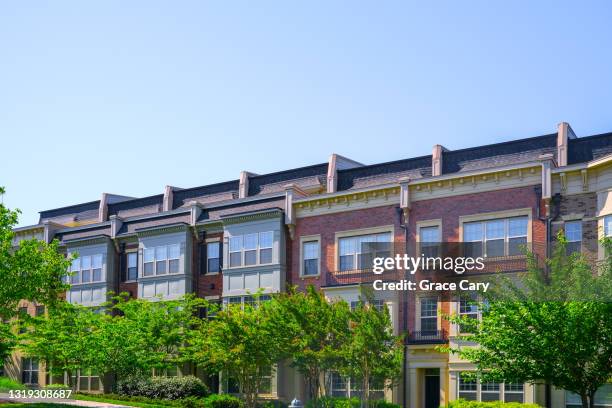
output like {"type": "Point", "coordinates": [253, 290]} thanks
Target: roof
{"type": "Point", "coordinates": [589, 148]}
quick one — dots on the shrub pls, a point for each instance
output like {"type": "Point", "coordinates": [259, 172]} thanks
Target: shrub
{"type": "Point", "coordinates": [56, 387]}
{"type": "Point", "coordinates": [222, 401]}
{"type": "Point", "coordinates": [354, 402]}
{"type": "Point", "coordinates": [7, 384]}
{"type": "Point", "coordinates": [460, 403]}
{"type": "Point", "coordinates": [170, 388]}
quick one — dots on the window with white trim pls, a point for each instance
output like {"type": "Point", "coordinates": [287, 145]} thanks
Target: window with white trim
{"type": "Point", "coordinates": [573, 235]}
{"type": "Point", "coordinates": [213, 257]}
{"type": "Point", "coordinates": [132, 266]}
{"type": "Point", "coordinates": [251, 249]}
{"type": "Point", "coordinates": [489, 391]}
{"type": "Point", "coordinates": [162, 260]}
{"type": "Point", "coordinates": [29, 370]}
{"type": "Point", "coordinates": [429, 240]}
{"type": "Point", "coordinates": [514, 392]}
{"type": "Point", "coordinates": [86, 269]}
{"type": "Point", "coordinates": [349, 387]}
{"type": "Point", "coordinates": [493, 238]}
{"type": "Point", "coordinates": [467, 389]}
{"type": "Point", "coordinates": [354, 255]}
{"type": "Point", "coordinates": [310, 251]}
{"type": "Point", "coordinates": [429, 315]}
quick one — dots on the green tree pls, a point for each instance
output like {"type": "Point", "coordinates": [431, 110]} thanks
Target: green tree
{"type": "Point", "coordinates": [372, 354]}
{"type": "Point", "coordinates": [554, 324]}
{"type": "Point", "coordinates": [59, 338]}
{"type": "Point", "coordinates": [318, 328]}
{"type": "Point", "coordinates": [243, 343]}
{"type": "Point", "coordinates": [32, 270]}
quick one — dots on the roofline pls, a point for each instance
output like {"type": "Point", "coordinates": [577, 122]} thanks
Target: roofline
{"type": "Point", "coordinates": [71, 206]}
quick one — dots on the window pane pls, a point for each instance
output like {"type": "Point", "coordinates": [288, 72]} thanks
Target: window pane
{"type": "Point", "coordinates": [250, 257]}
{"type": "Point", "coordinates": [149, 255]}
{"type": "Point", "coordinates": [132, 259]}
{"type": "Point", "coordinates": [311, 250]}
{"type": "Point", "coordinates": [132, 273]}
{"type": "Point", "coordinates": [173, 265]}
{"type": "Point", "coordinates": [608, 225]}
{"type": "Point", "coordinates": [573, 231]}
{"type": "Point", "coordinates": [495, 247]}
{"type": "Point", "coordinates": [265, 256]}
{"type": "Point", "coordinates": [516, 246]}
{"type": "Point", "coordinates": [213, 265]}
{"type": "Point", "coordinates": [235, 243]}
{"type": "Point", "coordinates": [429, 307]}
{"type": "Point", "coordinates": [174, 251]}
{"type": "Point", "coordinates": [473, 249]}
{"type": "Point", "coordinates": [347, 246]}
{"type": "Point", "coordinates": [472, 231]}
{"type": "Point", "coordinates": [429, 234]}
{"type": "Point", "coordinates": [517, 227]}
{"type": "Point", "coordinates": [86, 262]}
{"type": "Point", "coordinates": [346, 262]}
{"type": "Point", "coordinates": [235, 258]}
{"type": "Point", "coordinates": [148, 269]}
{"type": "Point", "coordinates": [495, 229]}
{"type": "Point", "coordinates": [250, 241]}
{"type": "Point", "coordinates": [161, 253]}
{"type": "Point", "coordinates": [265, 239]}
{"type": "Point", "coordinates": [311, 267]}
{"type": "Point", "coordinates": [97, 261]}
{"type": "Point", "coordinates": [86, 276]}
{"type": "Point", "coordinates": [76, 265]}
{"type": "Point", "coordinates": [76, 278]}
{"type": "Point", "coordinates": [160, 267]}
{"type": "Point", "coordinates": [212, 250]}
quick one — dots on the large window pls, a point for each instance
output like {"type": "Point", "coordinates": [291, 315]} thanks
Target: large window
{"type": "Point", "coordinates": [514, 392]}
{"type": "Point", "coordinates": [429, 316]}
{"type": "Point", "coordinates": [573, 234]}
{"type": "Point", "coordinates": [429, 238]}
{"type": "Point", "coordinates": [251, 249]}
{"type": "Point", "coordinates": [213, 257]}
{"type": "Point", "coordinates": [489, 391]}
{"type": "Point", "coordinates": [131, 273]}
{"type": "Point", "coordinates": [494, 238]}
{"type": "Point", "coordinates": [86, 269]}
{"type": "Point", "coordinates": [29, 370]}
{"type": "Point", "coordinates": [310, 251]}
{"type": "Point", "coordinates": [356, 254]}
{"type": "Point", "coordinates": [468, 390]}
{"type": "Point", "coordinates": [162, 260]}
{"type": "Point", "coordinates": [603, 398]}
{"type": "Point", "coordinates": [349, 387]}
{"type": "Point", "coordinates": [86, 380]}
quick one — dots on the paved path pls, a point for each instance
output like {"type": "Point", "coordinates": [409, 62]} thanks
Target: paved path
{"type": "Point", "coordinates": [4, 397]}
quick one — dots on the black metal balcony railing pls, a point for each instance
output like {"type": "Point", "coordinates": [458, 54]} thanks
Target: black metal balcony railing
{"type": "Point", "coordinates": [427, 337]}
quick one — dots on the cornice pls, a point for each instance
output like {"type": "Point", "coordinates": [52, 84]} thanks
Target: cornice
{"type": "Point", "coordinates": [87, 241]}
{"type": "Point", "coordinates": [161, 229]}
{"type": "Point", "coordinates": [252, 216]}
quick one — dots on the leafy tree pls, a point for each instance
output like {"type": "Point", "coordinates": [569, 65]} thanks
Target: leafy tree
{"type": "Point", "coordinates": [59, 338]}
{"type": "Point", "coordinates": [242, 342]}
{"type": "Point", "coordinates": [373, 353]}
{"type": "Point", "coordinates": [33, 270]}
{"type": "Point", "coordinates": [554, 324]}
{"type": "Point", "coordinates": [318, 330]}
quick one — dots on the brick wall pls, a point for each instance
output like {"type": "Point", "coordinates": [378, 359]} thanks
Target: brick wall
{"type": "Point", "coordinates": [207, 285]}
{"type": "Point", "coordinates": [585, 206]}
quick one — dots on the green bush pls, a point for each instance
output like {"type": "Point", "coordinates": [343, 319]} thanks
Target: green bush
{"type": "Point", "coordinates": [354, 402]}
{"type": "Point", "coordinates": [7, 384]}
{"type": "Point", "coordinates": [222, 401]}
{"type": "Point", "coordinates": [461, 403]}
{"type": "Point", "coordinates": [168, 388]}
{"type": "Point", "coordinates": [56, 387]}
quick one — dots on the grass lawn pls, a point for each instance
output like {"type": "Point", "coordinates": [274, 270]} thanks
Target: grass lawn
{"type": "Point", "coordinates": [29, 405]}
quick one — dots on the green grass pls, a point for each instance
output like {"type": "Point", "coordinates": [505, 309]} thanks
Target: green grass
{"type": "Point", "coordinates": [116, 401]}
{"type": "Point", "coordinates": [7, 384]}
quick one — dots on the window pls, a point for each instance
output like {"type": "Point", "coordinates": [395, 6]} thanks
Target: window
{"type": "Point", "coordinates": [310, 251]}
{"type": "Point", "coordinates": [603, 397]}
{"type": "Point", "coordinates": [489, 391]}
{"type": "Point", "coordinates": [429, 239]}
{"type": "Point", "coordinates": [573, 234]}
{"type": "Point", "coordinates": [356, 254]}
{"type": "Point", "coordinates": [494, 238]}
{"type": "Point", "coordinates": [162, 260]}
{"type": "Point", "coordinates": [29, 370]}
{"type": "Point", "coordinates": [513, 392]}
{"type": "Point", "coordinates": [266, 381]}
{"type": "Point", "coordinates": [213, 250]}
{"type": "Point", "coordinates": [429, 316]}
{"type": "Point", "coordinates": [254, 301]}
{"type": "Point", "coordinates": [608, 225]}
{"type": "Point", "coordinates": [378, 304]}
{"type": "Point", "coordinates": [467, 389]}
{"type": "Point", "coordinates": [132, 266]}
{"type": "Point", "coordinates": [86, 380]}
{"type": "Point", "coordinates": [40, 310]}
{"type": "Point", "coordinates": [349, 387]}
{"type": "Point", "coordinates": [86, 269]}
{"type": "Point", "coordinates": [468, 308]}
{"type": "Point", "coordinates": [251, 249]}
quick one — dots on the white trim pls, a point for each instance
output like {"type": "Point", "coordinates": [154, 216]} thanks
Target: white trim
{"type": "Point", "coordinates": [310, 238]}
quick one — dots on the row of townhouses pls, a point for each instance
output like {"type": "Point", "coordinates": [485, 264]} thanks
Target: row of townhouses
{"type": "Point", "coordinates": [304, 227]}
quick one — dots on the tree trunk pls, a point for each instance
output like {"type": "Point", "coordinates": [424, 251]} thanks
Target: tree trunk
{"type": "Point", "coordinates": [585, 400]}
{"type": "Point", "coordinates": [592, 399]}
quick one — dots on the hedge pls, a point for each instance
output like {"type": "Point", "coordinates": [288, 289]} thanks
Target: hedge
{"type": "Point", "coordinates": [167, 388]}
{"type": "Point", "coordinates": [341, 402]}
{"type": "Point", "coordinates": [461, 403]}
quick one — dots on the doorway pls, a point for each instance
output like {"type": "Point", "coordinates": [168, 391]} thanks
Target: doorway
{"type": "Point", "coordinates": [432, 388]}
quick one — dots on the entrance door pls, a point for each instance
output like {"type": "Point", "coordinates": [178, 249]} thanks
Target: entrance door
{"type": "Point", "coordinates": [432, 390]}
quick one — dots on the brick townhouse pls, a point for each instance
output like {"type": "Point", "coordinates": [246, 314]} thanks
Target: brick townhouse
{"type": "Point", "coordinates": [306, 226]}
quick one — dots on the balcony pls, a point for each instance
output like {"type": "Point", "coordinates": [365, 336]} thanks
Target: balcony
{"type": "Point", "coordinates": [427, 337]}
{"type": "Point", "coordinates": [360, 276]}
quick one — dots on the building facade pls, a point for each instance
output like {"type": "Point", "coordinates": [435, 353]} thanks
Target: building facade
{"type": "Point", "coordinates": [306, 226]}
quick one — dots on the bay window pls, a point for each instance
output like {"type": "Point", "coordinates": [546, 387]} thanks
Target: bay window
{"type": "Point", "coordinates": [251, 249]}
{"type": "Point", "coordinates": [162, 260]}
{"type": "Point", "coordinates": [86, 269]}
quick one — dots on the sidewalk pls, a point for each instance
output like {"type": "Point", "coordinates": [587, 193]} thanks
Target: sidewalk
{"type": "Point", "coordinates": [4, 397]}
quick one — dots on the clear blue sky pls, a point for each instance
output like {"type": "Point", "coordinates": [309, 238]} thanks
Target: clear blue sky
{"type": "Point", "coordinates": [126, 97]}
